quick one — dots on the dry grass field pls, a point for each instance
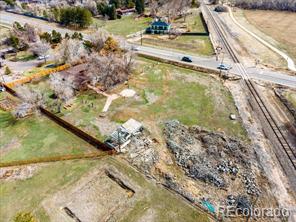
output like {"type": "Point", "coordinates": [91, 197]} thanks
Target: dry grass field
{"type": "Point", "coordinates": [278, 25]}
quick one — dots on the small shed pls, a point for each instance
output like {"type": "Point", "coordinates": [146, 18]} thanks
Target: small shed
{"type": "Point", "coordinates": [123, 134]}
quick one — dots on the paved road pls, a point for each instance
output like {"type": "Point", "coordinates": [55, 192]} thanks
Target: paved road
{"type": "Point", "coordinates": [260, 74]}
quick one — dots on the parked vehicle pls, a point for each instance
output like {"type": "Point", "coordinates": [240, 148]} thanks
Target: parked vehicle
{"type": "Point", "coordinates": [186, 59]}
{"type": "Point", "coordinates": [43, 57]}
{"type": "Point", "coordinates": [224, 67]}
{"type": "Point", "coordinates": [2, 88]}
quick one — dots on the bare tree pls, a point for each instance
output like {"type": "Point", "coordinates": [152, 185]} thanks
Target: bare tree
{"type": "Point", "coordinates": [62, 86]}
{"type": "Point", "coordinates": [98, 39]}
{"type": "Point", "coordinates": [40, 48]}
{"type": "Point", "coordinates": [71, 51]}
{"type": "Point", "coordinates": [107, 71]}
{"type": "Point", "coordinates": [283, 5]}
{"type": "Point", "coordinates": [91, 5]}
{"type": "Point", "coordinates": [153, 5]}
{"type": "Point", "coordinates": [31, 101]}
{"type": "Point", "coordinates": [26, 34]}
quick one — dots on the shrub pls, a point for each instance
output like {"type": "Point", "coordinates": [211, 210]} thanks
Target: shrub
{"type": "Point", "coordinates": [7, 71]}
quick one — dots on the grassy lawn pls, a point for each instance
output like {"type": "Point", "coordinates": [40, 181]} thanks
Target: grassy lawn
{"type": "Point", "coordinates": [83, 109]}
{"type": "Point", "coordinates": [193, 22]}
{"type": "Point", "coordinates": [194, 45]}
{"type": "Point", "coordinates": [36, 136]}
{"type": "Point", "coordinates": [27, 195]}
{"type": "Point", "coordinates": [23, 56]}
{"type": "Point", "coordinates": [191, 97]}
{"type": "Point", "coordinates": [125, 26]}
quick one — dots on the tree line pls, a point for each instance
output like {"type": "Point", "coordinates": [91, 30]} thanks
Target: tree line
{"type": "Point", "coordinates": [282, 5]}
{"type": "Point", "coordinates": [75, 16]}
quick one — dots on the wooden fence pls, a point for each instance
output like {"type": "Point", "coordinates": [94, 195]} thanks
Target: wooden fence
{"type": "Point", "coordinates": [37, 75]}
{"type": "Point", "coordinates": [49, 159]}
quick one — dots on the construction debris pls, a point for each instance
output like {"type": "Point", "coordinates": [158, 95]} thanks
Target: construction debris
{"type": "Point", "coordinates": [210, 157]}
{"type": "Point", "coordinates": [142, 153]}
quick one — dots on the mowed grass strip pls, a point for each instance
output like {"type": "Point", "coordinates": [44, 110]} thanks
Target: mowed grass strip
{"type": "Point", "coordinates": [192, 45]}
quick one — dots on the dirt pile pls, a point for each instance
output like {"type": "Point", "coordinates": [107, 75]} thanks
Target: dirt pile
{"type": "Point", "coordinates": [210, 157]}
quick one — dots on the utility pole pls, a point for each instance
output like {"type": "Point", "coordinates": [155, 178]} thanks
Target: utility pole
{"type": "Point", "coordinates": [141, 38]}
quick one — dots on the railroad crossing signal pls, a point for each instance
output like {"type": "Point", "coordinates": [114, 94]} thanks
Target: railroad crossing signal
{"type": "Point", "coordinates": [218, 51]}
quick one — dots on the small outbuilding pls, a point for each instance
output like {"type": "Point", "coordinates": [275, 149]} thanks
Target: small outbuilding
{"type": "Point", "coordinates": [121, 137]}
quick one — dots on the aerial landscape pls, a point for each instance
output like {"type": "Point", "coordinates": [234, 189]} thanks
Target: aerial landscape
{"type": "Point", "coordinates": [147, 110]}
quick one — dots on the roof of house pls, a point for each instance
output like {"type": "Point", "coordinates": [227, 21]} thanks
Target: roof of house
{"type": "Point", "coordinates": [160, 23]}
{"type": "Point", "coordinates": [132, 126]}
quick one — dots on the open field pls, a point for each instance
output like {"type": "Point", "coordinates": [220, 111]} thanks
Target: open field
{"type": "Point", "coordinates": [40, 194]}
{"type": "Point", "coordinates": [278, 25]}
{"type": "Point", "coordinates": [193, 22]}
{"type": "Point", "coordinates": [163, 92]}
{"type": "Point", "coordinates": [192, 45]}
{"type": "Point", "coordinates": [125, 26]}
{"type": "Point", "coordinates": [36, 136]}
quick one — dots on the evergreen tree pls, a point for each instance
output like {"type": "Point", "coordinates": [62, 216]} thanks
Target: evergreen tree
{"type": "Point", "coordinates": [140, 6]}
{"type": "Point", "coordinates": [112, 12]}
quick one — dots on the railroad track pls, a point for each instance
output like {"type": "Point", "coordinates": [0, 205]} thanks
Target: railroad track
{"type": "Point", "coordinates": [278, 133]}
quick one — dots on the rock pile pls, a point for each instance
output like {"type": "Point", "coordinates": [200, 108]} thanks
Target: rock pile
{"type": "Point", "coordinates": [250, 184]}
{"type": "Point", "coordinates": [141, 152]}
{"type": "Point", "coordinates": [208, 156]}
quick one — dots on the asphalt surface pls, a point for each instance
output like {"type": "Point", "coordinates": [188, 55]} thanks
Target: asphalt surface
{"type": "Point", "coordinates": [207, 62]}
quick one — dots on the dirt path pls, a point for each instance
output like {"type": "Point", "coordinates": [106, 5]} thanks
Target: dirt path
{"type": "Point", "coordinates": [290, 62]}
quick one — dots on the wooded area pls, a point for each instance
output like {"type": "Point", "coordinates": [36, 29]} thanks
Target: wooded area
{"type": "Point", "coordinates": [282, 5]}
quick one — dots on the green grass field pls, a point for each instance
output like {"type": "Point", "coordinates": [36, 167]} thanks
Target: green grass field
{"type": "Point", "coordinates": [191, 97]}
{"type": "Point", "coordinates": [193, 21]}
{"type": "Point", "coordinates": [27, 195]}
{"type": "Point", "coordinates": [125, 26]}
{"type": "Point", "coordinates": [192, 45]}
{"type": "Point", "coordinates": [36, 136]}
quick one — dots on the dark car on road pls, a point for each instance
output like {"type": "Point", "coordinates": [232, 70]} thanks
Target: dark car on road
{"type": "Point", "coordinates": [224, 67]}
{"type": "Point", "coordinates": [186, 59]}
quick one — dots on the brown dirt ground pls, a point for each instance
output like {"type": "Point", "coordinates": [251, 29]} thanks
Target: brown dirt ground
{"type": "Point", "coordinates": [278, 25]}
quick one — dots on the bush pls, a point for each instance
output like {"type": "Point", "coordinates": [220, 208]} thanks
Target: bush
{"type": "Point", "coordinates": [24, 217]}
{"type": "Point", "coordinates": [7, 71]}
